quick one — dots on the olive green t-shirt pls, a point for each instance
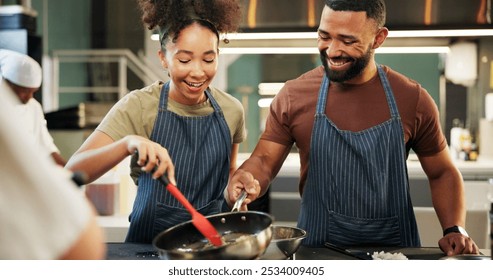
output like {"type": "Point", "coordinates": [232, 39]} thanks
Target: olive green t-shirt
{"type": "Point", "coordinates": [136, 112]}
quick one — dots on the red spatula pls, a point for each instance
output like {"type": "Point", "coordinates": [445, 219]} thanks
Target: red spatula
{"type": "Point", "coordinates": [198, 220]}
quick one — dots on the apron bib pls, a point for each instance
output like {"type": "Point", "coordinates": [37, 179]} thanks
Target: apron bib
{"type": "Point", "coordinates": [357, 189]}
{"type": "Point", "coordinates": [200, 148]}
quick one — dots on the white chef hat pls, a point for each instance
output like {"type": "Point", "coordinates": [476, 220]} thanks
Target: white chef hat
{"type": "Point", "coordinates": [20, 69]}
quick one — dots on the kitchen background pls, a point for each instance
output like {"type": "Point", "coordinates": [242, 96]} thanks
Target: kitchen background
{"type": "Point", "coordinates": [70, 36]}
{"type": "Point", "coordinates": [94, 51]}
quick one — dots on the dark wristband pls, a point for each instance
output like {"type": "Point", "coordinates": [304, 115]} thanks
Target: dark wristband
{"type": "Point", "coordinates": [455, 229]}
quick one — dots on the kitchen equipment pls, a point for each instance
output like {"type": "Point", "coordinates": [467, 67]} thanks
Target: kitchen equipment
{"type": "Point", "coordinates": [356, 254]}
{"type": "Point", "coordinates": [83, 115]}
{"type": "Point", "coordinates": [285, 242]}
{"type": "Point", "coordinates": [102, 192]}
{"type": "Point", "coordinates": [14, 17]}
{"type": "Point", "coordinates": [461, 63]}
{"type": "Point", "coordinates": [198, 220]}
{"type": "Point", "coordinates": [146, 251]}
{"type": "Point", "coordinates": [488, 104]}
{"type": "Point", "coordinates": [485, 136]}
{"type": "Point", "coordinates": [491, 229]}
{"type": "Point", "coordinates": [246, 235]}
{"type": "Point", "coordinates": [490, 197]}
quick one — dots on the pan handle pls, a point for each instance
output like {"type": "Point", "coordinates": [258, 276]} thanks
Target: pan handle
{"type": "Point", "coordinates": [239, 201]}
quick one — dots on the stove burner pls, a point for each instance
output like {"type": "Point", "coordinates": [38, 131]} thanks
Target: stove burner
{"type": "Point", "coordinates": [147, 255]}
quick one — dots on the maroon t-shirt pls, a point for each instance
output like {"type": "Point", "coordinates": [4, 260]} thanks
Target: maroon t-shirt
{"type": "Point", "coordinates": [353, 108]}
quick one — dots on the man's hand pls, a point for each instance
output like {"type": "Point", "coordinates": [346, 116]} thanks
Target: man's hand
{"type": "Point", "coordinates": [455, 244]}
{"type": "Point", "coordinates": [239, 181]}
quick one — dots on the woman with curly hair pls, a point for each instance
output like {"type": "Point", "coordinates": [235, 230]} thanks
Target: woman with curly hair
{"type": "Point", "coordinates": [184, 127]}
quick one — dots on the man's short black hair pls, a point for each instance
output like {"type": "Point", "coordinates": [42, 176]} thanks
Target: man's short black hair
{"type": "Point", "coordinates": [375, 9]}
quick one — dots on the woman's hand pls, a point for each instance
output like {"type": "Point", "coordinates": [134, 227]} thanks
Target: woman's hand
{"type": "Point", "coordinates": [150, 155]}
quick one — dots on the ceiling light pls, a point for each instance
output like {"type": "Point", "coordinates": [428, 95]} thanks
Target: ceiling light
{"type": "Point", "coordinates": [270, 35]}
{"type": "Point", "coordinates": [392, 34]}
{"type": "Point", "coordinates": [425, 49]}
{"type": "Point", "coordinates": [267, 50]}
{"type": "Point", "coordinates": [269, 88]}
{"type": "Point", "coordinates": [314, 50]}
{"type": "Point", "coordinates": [264, 102]}
{"type": "Point", "coordinates": [441, 33]}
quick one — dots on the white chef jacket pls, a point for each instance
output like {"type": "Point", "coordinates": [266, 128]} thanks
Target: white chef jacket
{"type": "Point", "coordinates": [42, 212]}
{"type": "Point", "coordinates": [32, 120]}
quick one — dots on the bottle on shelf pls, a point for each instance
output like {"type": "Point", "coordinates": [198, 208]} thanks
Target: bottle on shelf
{"type": "Point", "coordinates": [455, 138]}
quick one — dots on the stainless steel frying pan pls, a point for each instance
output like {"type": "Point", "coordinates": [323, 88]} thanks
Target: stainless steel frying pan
{"type": "Point", "coordinates": [246, 235]}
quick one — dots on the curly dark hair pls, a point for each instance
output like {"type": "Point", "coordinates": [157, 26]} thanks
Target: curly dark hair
{"type": "Point", "coordinates": [221, 16]}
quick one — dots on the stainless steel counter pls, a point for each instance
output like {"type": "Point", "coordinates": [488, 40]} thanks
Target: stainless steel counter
{"type": "Point", "coordinates": [471, 170]}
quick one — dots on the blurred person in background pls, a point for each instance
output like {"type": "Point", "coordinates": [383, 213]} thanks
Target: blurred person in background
{"type": "Point", "coordinates": [24, 76]}
{"type": "Point", "coordinates": [44, 216]}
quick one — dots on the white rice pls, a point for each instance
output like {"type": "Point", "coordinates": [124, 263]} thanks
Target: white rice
{"type": "Point", "coordinates": [388, 256]}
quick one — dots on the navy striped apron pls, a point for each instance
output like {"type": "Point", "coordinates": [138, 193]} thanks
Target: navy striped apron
{"type": "Point", "coordinates": [200, 148]}
{"type": "Point", "coordinates": [357, 189]}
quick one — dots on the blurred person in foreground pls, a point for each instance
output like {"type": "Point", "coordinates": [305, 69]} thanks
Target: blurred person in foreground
{"type": "Point", "coordinates": [184, 127]}
{"type": "Point", "coordinates": [354, 123]}
{"type": "Point", "coordinates": [44, 216]}
{"type": "Point", "coordinates": [23, 75]}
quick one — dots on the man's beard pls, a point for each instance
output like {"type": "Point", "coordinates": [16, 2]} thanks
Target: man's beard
{"type": "Point", "coordinates": [358, 65]}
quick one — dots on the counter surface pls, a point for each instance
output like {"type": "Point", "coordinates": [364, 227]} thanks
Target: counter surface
{"type": "Point", "coordinates": [136, 251]}
{"type": "Point", "coordinates": [483, 167]}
